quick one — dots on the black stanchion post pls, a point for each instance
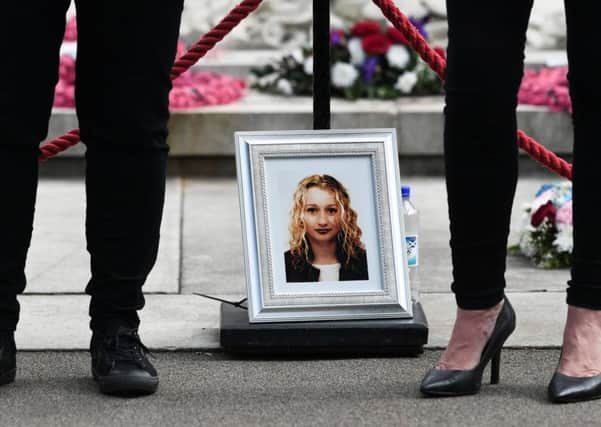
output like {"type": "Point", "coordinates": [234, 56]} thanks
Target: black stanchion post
{"type": "Point", "coordinates": [321, 64]}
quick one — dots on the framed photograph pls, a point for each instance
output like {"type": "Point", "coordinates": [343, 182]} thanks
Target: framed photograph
{"type": "Point", "coordinates": [322, 225]}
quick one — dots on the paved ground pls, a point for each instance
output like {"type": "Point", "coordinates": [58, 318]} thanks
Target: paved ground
{"type": "Point", "coordinates": [210, 389]}
{"type": "Point", "coordinates": [201, 251]}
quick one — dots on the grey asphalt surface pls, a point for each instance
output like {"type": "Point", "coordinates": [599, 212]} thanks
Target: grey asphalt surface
{"type": "Point", "coordinates": [55, 389]}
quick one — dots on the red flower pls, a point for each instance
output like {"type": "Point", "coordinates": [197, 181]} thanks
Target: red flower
{"type": "Point", "coordinates": [441, 52]}
{"type": "Point", "coordinates": [365, 28]}
{"type": "Point", "coordinates": [396, 36]}
{"type": "Point", "coordinates": [548, 210]}
{"type": "Point", "coordinates": [376, 44]}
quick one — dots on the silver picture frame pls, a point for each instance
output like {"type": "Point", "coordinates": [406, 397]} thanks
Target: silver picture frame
{"type": "Point", "coordinates": [269, 165]}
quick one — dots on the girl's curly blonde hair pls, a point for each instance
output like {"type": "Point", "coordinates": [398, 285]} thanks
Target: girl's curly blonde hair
{"type": "Point", "coordinates": [349, 237]}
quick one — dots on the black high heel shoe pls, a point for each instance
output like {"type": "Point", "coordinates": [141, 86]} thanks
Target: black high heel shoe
{"type": "Point", "coordinates": [566, 389]}
{"type": "Point", "coordinates": [451, 382]}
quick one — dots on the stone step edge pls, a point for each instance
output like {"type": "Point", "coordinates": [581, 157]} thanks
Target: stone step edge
{"type": "Point", "coordinates": [419, 123]}
{"type": "Point", "coordinates": [191, 322]}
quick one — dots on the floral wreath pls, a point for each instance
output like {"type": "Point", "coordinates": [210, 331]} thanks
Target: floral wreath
{"type": "Point", "coordinates": [192, 89]}
{"type": "Point", "coordinates": [368, 61]}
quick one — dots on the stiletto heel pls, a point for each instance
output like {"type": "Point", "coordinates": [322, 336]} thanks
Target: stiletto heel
{"type": "Point", "coordinates": [450, 382]}
{"type": "Point", "coordinates": [495, 367]}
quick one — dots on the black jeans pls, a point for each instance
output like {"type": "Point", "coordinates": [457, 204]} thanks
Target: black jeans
{"type": "Point", "coordinates": [485, 67]}
{"type": "Point", "coordinates": [125, 53]}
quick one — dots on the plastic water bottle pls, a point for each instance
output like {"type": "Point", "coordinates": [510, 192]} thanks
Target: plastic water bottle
{"type": "Point", "coordinates": [411, 218]}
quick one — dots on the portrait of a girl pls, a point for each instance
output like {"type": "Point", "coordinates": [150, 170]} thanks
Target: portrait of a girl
{"type": "Point", "coordinates": [325, 239]}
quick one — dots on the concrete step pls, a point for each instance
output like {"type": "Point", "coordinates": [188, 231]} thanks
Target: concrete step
{"type": "Point", "coordinates": [210, 131]}
{"type": "Point", "coordinates": [201, 252]}
{"type": "Point", "coordinates": [168, 322]}
{"type": "Point", "coordinates": [185, 322]}
{"type": "Point", "coordinates": [58, 261]}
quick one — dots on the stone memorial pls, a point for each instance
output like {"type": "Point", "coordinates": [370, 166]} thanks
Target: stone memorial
{"type": "Point", "coordinates": [285, 24]}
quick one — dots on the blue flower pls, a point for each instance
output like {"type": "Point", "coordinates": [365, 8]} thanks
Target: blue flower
{"type": "Point", "coordinates": [368, 69]}
{"type": "Point", "coordinates": [543, 188]}
{"type": "Point", "coordinates": [335, 37]}
{"type": "Point", "coordinates": [420, 24]}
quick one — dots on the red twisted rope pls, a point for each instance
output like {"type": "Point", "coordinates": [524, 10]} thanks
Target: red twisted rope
{"type": "Point", "coordinates": [547, 158]}
{"type": "Point", "coordinates": [59, 144]}
{"type": "Point", "coordinates": [535, 150]}
{"type": "Point", "coordinates": [206, 43]}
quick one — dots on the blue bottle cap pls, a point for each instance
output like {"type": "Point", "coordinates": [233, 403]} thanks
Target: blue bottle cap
{"type": "Point", "coordinates": [406, 191]}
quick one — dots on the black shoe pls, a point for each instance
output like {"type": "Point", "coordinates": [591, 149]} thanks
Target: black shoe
{"type": "Point", "coordinates": [443, 382]}
{"type": "Point", "coordinates": [8, 358]}
{"type": "Point", "coordinates": [565, 389]}
{"type": "Point", "coordinates": [119, 363]}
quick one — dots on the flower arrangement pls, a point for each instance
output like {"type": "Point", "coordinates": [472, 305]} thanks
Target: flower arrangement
{"type": "Point", "coordinates": [546, 235]}
{"type": "Point", "coordinates": [546, 86]}
{"type": "Point", "coordinates": [193, 89]}
{"type": "Point", "coordinates": [369, 61]}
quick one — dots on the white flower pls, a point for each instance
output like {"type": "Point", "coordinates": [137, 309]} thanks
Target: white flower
{"type": "Point", "coordinates": [421, 66]}
{"type": "Point", "coordinates": [406, 82]}
{"type": "Point", "coordinates": [398, 56]}
{"type": "Point", "coordinates": [344, 75]}
{"type": "Point", "coordinates": [308, 66]}
{"type": "Point", "coordinates": [423, 69]}
{"type": "Point", "coordinates": [527, 245]}
{"type": "Point", "coordinates": [297, 55]}
{"type": "Point", "coordinates": [284, 86]}
{"type": "Point", "coordinates": [355, 48]}
{"type": "Point", "coordinates": [268, 80]}
{"type": "Point", "coordinates": [563, 241]}
{"type": "Point", "coordinates": [252, 80]}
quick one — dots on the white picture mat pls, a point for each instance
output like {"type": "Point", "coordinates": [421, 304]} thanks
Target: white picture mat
{"type": "Point", "coordinates": [355, 173]}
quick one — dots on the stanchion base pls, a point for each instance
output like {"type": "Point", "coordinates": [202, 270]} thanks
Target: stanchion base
{"type": "Point", "coordinates": [398, 337]}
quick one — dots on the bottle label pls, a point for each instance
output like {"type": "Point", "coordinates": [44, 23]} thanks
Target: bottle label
{"type": "Point", "coordinates": [412, 250]}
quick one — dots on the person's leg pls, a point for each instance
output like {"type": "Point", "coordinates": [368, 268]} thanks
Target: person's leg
{"type": "Point", "coordinates": [484, 71]}
{"type": "Point", "coordinates": [125, 54]}
{"type": "Point", "coordinates": [126, 51]}
{"type": "Point", "coordinates": [27, 80]}
{"type": "Point", "coordinates": [581, 354]}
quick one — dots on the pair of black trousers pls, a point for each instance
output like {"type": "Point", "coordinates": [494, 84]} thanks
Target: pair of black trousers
{"type": "Point", "coordinates": [484, 71]}
{"type": "Point", "coordinates": [125, 53]}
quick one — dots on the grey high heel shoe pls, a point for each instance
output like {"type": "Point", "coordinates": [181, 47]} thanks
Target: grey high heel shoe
{"type": "Point", "coordinates": [452, 382]}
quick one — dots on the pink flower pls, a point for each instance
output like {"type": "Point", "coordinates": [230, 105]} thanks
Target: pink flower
{"type": "Point", "coordinates": [546, 86]}
{"type": "Point", "coordinates": [201, 89]}
{"type": "Point", "coordinates": [564, 214]}
{"type": "Point", "coordinates": [64, 93]}
{"type": "Point", "coordinates": [71, 30]}
{"type": "Point", "coordinates": [66, 69]}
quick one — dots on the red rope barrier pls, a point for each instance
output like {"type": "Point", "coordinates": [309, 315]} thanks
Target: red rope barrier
{"type": "Point", "coordinates": [541, 154]}
{"type": "Point", "coordinates": [206, 43]}
{"type": "Point", "coordinates": [59, 144]}
{"type": "Point", "coordinates": [535, 150]}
